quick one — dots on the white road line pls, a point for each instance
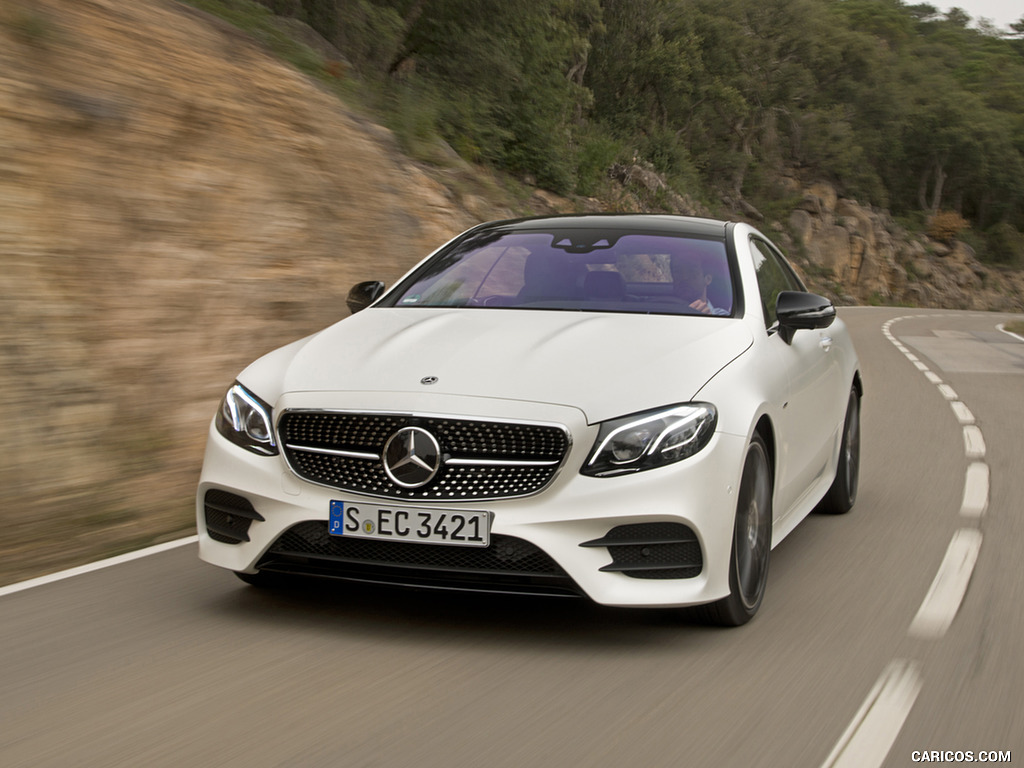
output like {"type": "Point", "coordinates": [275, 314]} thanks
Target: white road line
{"type": "Point", "coordinates": [947, 591]}
{"type": "Point", "coordinates": [974, 442]}
{"type": "Point", "coordinates": [975, 501]}
{"type": "Point", "coordinates": [10, 589]}
{"type": "Point", "coordinates": [874, 729]}
{"type": "Point", "coordinates": [1002, 328]}
{"type": "Point", "coordinates": [870, 736]}
{"type": "Point", "coordinates": [963, 413]}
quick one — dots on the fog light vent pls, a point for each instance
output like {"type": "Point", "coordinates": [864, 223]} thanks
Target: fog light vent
{"type": "Point", "coordinates": [652, 551]}
{"type": "Point", "coordinates": [228, 516]}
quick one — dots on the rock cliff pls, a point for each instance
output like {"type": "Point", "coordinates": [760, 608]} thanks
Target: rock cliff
{"type": "Point", "coordinates": [860, 255]}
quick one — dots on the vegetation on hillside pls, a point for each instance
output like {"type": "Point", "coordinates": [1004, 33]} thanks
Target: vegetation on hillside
{"type": "Point", "coordinates": [898, 105]}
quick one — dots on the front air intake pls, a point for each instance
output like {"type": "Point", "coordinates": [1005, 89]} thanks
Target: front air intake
{"type": "Point", "coordinates": [228, 516]}
{"type": "Point", "coordinates": [509, 565]}
{"type": "Point", "coordinates": [652, 551]}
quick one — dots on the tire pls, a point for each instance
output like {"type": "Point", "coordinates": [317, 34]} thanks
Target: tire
{"type": "Point", "coordinates": [751, 542]}
{"type": "Point", "coordinates": [842, 494]}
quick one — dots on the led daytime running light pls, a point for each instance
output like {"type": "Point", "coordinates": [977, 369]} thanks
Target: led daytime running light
{"type": "Point", "coordinates": [245, 420]}
{"type": "Point", "coordinates": [660, 437]}
{"type": "Point", "coordinates": [686, 412]}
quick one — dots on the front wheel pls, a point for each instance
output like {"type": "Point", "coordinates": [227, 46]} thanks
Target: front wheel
{"type": "Point", "coordinates": [751, 542]}
{"type": "Point", "coordinates": [843, 493]}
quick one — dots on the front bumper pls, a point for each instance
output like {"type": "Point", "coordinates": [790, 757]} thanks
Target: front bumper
{"type": "Point", "coordinates": [568, 522]}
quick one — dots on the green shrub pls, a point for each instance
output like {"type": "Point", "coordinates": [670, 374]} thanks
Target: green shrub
{"type": "Point", "coordinates": [411, 110]}
{"type": "Point", "coordinates": [369, 35]}
{"type": "Point", "coordinates": [1005, 245]}
{"type": "Point", "coordinates": [258, 21]}
{"type": "Point", "coordinates": [667, 152]}
{"type": "Point", "coordinates": [596, 154]}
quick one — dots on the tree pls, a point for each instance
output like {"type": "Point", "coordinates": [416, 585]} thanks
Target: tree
{"type": "Point", "coordinates": [760, 58]}
{"type": "Point", "coordinates": [958, 17]}
{"type": "Point", "coordinates": [507, 77]}
{"type": "Point", "coordinates": [896, 104]}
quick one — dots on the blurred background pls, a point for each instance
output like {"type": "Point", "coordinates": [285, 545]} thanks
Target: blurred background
{"type": "Point", "coordinates": [174, 202]}
{"type": "Point", "coordinates": [185, 187]}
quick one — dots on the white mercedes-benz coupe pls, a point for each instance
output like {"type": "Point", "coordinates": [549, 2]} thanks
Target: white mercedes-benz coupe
{"type": "Point", "coordinates": [631, 408]}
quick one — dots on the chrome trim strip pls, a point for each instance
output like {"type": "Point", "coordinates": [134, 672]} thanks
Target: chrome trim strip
{"type": "Point", "coordinates": [499, 463]}
{"type": "Point", "coordinates": [334, 452]}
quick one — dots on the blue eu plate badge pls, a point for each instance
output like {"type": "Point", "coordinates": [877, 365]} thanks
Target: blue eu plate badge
{"type": "Point", "coordinates": [337, 519]}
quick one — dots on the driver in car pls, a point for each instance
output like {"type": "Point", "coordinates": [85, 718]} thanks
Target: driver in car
{"type": "Point", "coordinates": [690, 281]}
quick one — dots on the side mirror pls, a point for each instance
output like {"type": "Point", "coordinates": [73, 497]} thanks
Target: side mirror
{"type": "Point", "coordinates": [364, 294]}
{"type": "Point", "coordinates": [802, 311]}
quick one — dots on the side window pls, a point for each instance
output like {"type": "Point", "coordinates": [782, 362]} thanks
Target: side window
{"type": "Point", "coordinates": [773, 277]}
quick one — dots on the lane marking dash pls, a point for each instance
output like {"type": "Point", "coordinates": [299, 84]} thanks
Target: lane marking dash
{"type": "Point", "coordinates": [975, 501]}
{"type": "Point", "coordinates": [871, 734]}
{"type": "Point", "coordinates": [947, 592]}
{"type": "Point", "coordinates": [974, 442]}
{"type": "Point", "coordinates": [963, 413]}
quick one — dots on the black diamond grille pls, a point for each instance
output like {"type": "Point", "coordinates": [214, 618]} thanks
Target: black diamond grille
{"type": "Point", "coordinates": [309, 437]}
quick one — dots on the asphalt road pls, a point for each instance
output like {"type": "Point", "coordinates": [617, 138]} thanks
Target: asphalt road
{"type": "Point", "coordinates": [165, 661]}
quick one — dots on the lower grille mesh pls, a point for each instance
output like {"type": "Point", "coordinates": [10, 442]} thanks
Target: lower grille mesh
{"type": "Point", "coordinates": [507, 565]}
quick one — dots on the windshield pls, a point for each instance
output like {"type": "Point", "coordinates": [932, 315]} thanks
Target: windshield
{"type": "Point", "coordinates": [582, 270]}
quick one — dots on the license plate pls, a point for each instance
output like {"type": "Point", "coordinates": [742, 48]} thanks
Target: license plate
{"type": "Point", "coordinates": [393, 523]}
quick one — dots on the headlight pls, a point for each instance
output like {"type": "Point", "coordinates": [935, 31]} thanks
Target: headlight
{"type": "Point", "coordinates": [245, 420]}
{"type": "Point", "coordinates": [651, 439]}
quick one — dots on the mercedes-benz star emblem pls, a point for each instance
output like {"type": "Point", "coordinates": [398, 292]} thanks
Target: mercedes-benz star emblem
{"type": "Point", "coordinates": [428, 380]}
{"type": "Point", "coordinates": [412, 457]}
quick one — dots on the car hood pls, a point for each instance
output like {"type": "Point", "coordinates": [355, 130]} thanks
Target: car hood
{"type": "Point", "coordinates": [606, 365]}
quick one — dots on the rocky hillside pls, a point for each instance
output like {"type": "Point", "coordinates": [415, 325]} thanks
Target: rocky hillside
{"type": "Point", "coordinates": [846, 251]}
{"type": "Point", "coordinates": [860, 255]}
{"type": "Point", "coordinates": [175, 202]}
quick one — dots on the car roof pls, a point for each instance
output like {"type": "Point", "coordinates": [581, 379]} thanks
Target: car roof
{"type": "Point", "coordinates": [640, 222]}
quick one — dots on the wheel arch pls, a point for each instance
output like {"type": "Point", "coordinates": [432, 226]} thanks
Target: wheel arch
{"type": "Point", "coordinates": [766, 430]}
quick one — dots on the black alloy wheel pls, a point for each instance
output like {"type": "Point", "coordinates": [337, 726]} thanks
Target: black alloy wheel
{"type": "Point", "coordinates": [843, 493]}
{"type": "Point", "coordinates": [751, 542]}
